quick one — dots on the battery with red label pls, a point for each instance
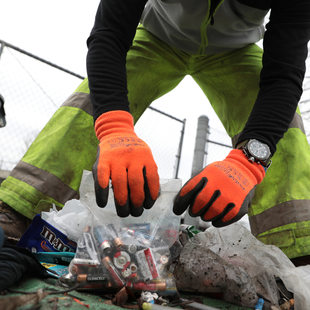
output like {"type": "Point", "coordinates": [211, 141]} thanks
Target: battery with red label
{"type": "Point", "coordinates": [147, 264]}
{"type": "Point", "coordinates": [148, 286]}
{"type": "Point", "coordinates": [115, 276]}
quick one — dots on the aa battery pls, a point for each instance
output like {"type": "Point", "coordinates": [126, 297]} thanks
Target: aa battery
{"type": "Point", "coordinates": [106, 234]}
{"type": "Point", "coordinates": [133, 267]}
{"type": "Point", "coordinates": [113, 233]}
{"type": "Point", "coordinates": [147, 264]}
{"type": "Point", "coordinates": [85, 262]}
{"type": "Point", "coordinates": [164, 259]}
{"type": "Point", "coordinates": [132, 248]}
{"type": "Point", "coordinates": [145, 286]}
{"type": "Point", "coordinates": [82, 265]}
{"type": "Point", "coordinates": [101, 238]}
{"type": "Point", "coordinates": [127, 268]}
{"type": "Point", "coordinates": [121, 260]}
{"type": "Point", "coordinates": [131, 272]}
{"type": "Point", "coordinates": [116, 278]}
{"type": "Point", "coordinates": [91, 278]}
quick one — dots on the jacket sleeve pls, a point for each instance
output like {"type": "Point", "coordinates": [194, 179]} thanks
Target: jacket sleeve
{"type": "Point", "coordinates": [285, 51]}
{"type": "Point", "coordinates": [110, 39]}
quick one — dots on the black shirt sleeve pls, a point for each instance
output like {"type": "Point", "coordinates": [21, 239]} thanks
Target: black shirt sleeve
{"type": "Point", "coordinates": [285, 52]}
{"type": "Point", "coordinates": [110, 39]}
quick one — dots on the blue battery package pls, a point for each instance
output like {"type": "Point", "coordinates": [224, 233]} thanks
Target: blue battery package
{"type": "Point", "coordinates": [55, 263]}
{"type": "Point", "coordinates": [54, 270]}
{"type": "Point", "coordinates": [44, 237]}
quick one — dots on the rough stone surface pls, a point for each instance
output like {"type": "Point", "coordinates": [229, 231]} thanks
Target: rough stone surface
{"type": "Point", "coordinates": [200, 270]}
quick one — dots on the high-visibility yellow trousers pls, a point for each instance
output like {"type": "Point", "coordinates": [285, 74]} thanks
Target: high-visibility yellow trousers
{"type": "Point", "coordinates": [51, 170]}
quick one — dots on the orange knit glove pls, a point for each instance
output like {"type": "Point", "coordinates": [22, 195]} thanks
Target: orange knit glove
{"type": "Point", "coordinates": [128, 162]}
{"type": "Point", "coordinates": [222, 191]}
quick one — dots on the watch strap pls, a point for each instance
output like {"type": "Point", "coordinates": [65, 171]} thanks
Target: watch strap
{"type": "Point", "coordinates": [243, 146]}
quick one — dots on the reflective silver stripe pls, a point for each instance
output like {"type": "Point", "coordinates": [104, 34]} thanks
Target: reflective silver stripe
{"type": "Point", "coordinates": [81, 101]}
{"type": "Point", "coordinates": [45, 182]}
{"type": "Point", "coordinates": [293, 211]}
{"type": "Point", "coordinates": [295, 123]}
{"type": "Point", "coordinates": [234, 140]}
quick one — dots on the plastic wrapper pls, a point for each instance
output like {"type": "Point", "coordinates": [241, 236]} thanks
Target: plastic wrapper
{"type": "Point", "coordinates": [114, 252]}
{"type": "Point", "coordinates": [41, 236]}
{"type": "Point", "coordinates": [231, 261]}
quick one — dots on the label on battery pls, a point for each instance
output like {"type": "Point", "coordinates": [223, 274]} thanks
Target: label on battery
{"type": "Point", "coordinates": [113, 272]}
{"type": "Point", "coordinates": [147, 264]}
{"type": "Point", "coordinates": [121, 260]}
{"type": "Point", "coordinates": [85, 262]}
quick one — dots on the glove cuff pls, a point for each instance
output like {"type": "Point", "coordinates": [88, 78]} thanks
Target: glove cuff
{"type": "Point", "coordinates": [114, 122]}
{"type": "Point", "coordinates": [257, 169]}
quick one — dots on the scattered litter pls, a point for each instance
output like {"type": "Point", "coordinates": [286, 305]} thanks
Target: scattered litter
{"type": "Point", "coordinates": [231, 261]}
{"type": "Point", "coordinates": [154, 256]}
{"type": "Point", "coordinates": [149, 297]}
{"type": "Point", "coordinates": [260, 304]}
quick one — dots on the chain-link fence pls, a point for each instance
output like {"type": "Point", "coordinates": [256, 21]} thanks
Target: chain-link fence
{"type": "Point", "coordinates": [33, 89]}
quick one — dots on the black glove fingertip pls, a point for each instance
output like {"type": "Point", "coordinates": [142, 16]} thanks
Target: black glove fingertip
{"type": "Point", "coordinates": [218, 220]}
{"type": "Point", "coordinates": [136, 211]}
{"type": "Point", "coordinates": [148, 200]}
{"type": "Point", "coordinates": [181, 203]}
{"type": "Point", "coordinates": [122, 210]}
{"type": "Point", "coordinates": [102, 195]}
{"type": "Point", "coordinates": [243, 210]}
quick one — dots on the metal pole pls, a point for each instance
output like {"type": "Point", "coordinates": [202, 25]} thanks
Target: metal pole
{"type": "Point", "coordinates": [166, 114]}
{"type": "Point", "coordinates": [200, 144]}
{"type": "Point", "coordinates": [178, 156]}
{"type": "Point", "coordinates": [218, 143]}
{"type": "Point", "coordinates": [1, 47]}
{"type": "Point", "coordinates": [40, 59]}
{"type": "Point", "coordinates": [199, 159]}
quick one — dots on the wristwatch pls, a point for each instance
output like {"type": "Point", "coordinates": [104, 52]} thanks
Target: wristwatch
{"type": "Point", "coordinates": [256, 151]}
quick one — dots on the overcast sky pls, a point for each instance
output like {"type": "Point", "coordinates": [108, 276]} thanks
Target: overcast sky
{"type": "Point", "coordinates": [57, 31]}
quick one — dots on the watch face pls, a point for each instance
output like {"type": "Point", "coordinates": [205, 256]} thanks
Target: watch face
{"type": "Point", "coordinates": [258, 150]}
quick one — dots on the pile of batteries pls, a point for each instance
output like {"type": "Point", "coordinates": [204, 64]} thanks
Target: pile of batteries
{"type": "Point", "coordinates": [110, 257]}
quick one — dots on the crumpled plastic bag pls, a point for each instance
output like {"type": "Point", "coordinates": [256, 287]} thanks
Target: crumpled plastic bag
{"type": "Point", "coordinates": [77, 214]}
{"type": "Point", "coordinates": [114, 251]}
{"type": "Point", "coordinates": [70, 220]}
{"type": "Point", "coordinates": [232, 260]}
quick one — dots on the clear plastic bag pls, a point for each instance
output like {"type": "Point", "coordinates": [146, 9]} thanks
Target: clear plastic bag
{"type": "Point", "coordinates": [108, 256]}
{"type": "Point", "coordinates": [113, 252]}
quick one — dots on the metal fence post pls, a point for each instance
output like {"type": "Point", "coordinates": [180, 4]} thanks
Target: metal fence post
{"type": "Point", "coordinates": [178, 156]}
{"type": "Point", "coordinates": [2, 45]}
{"type": "Point", "coordinates": [200, 153]}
